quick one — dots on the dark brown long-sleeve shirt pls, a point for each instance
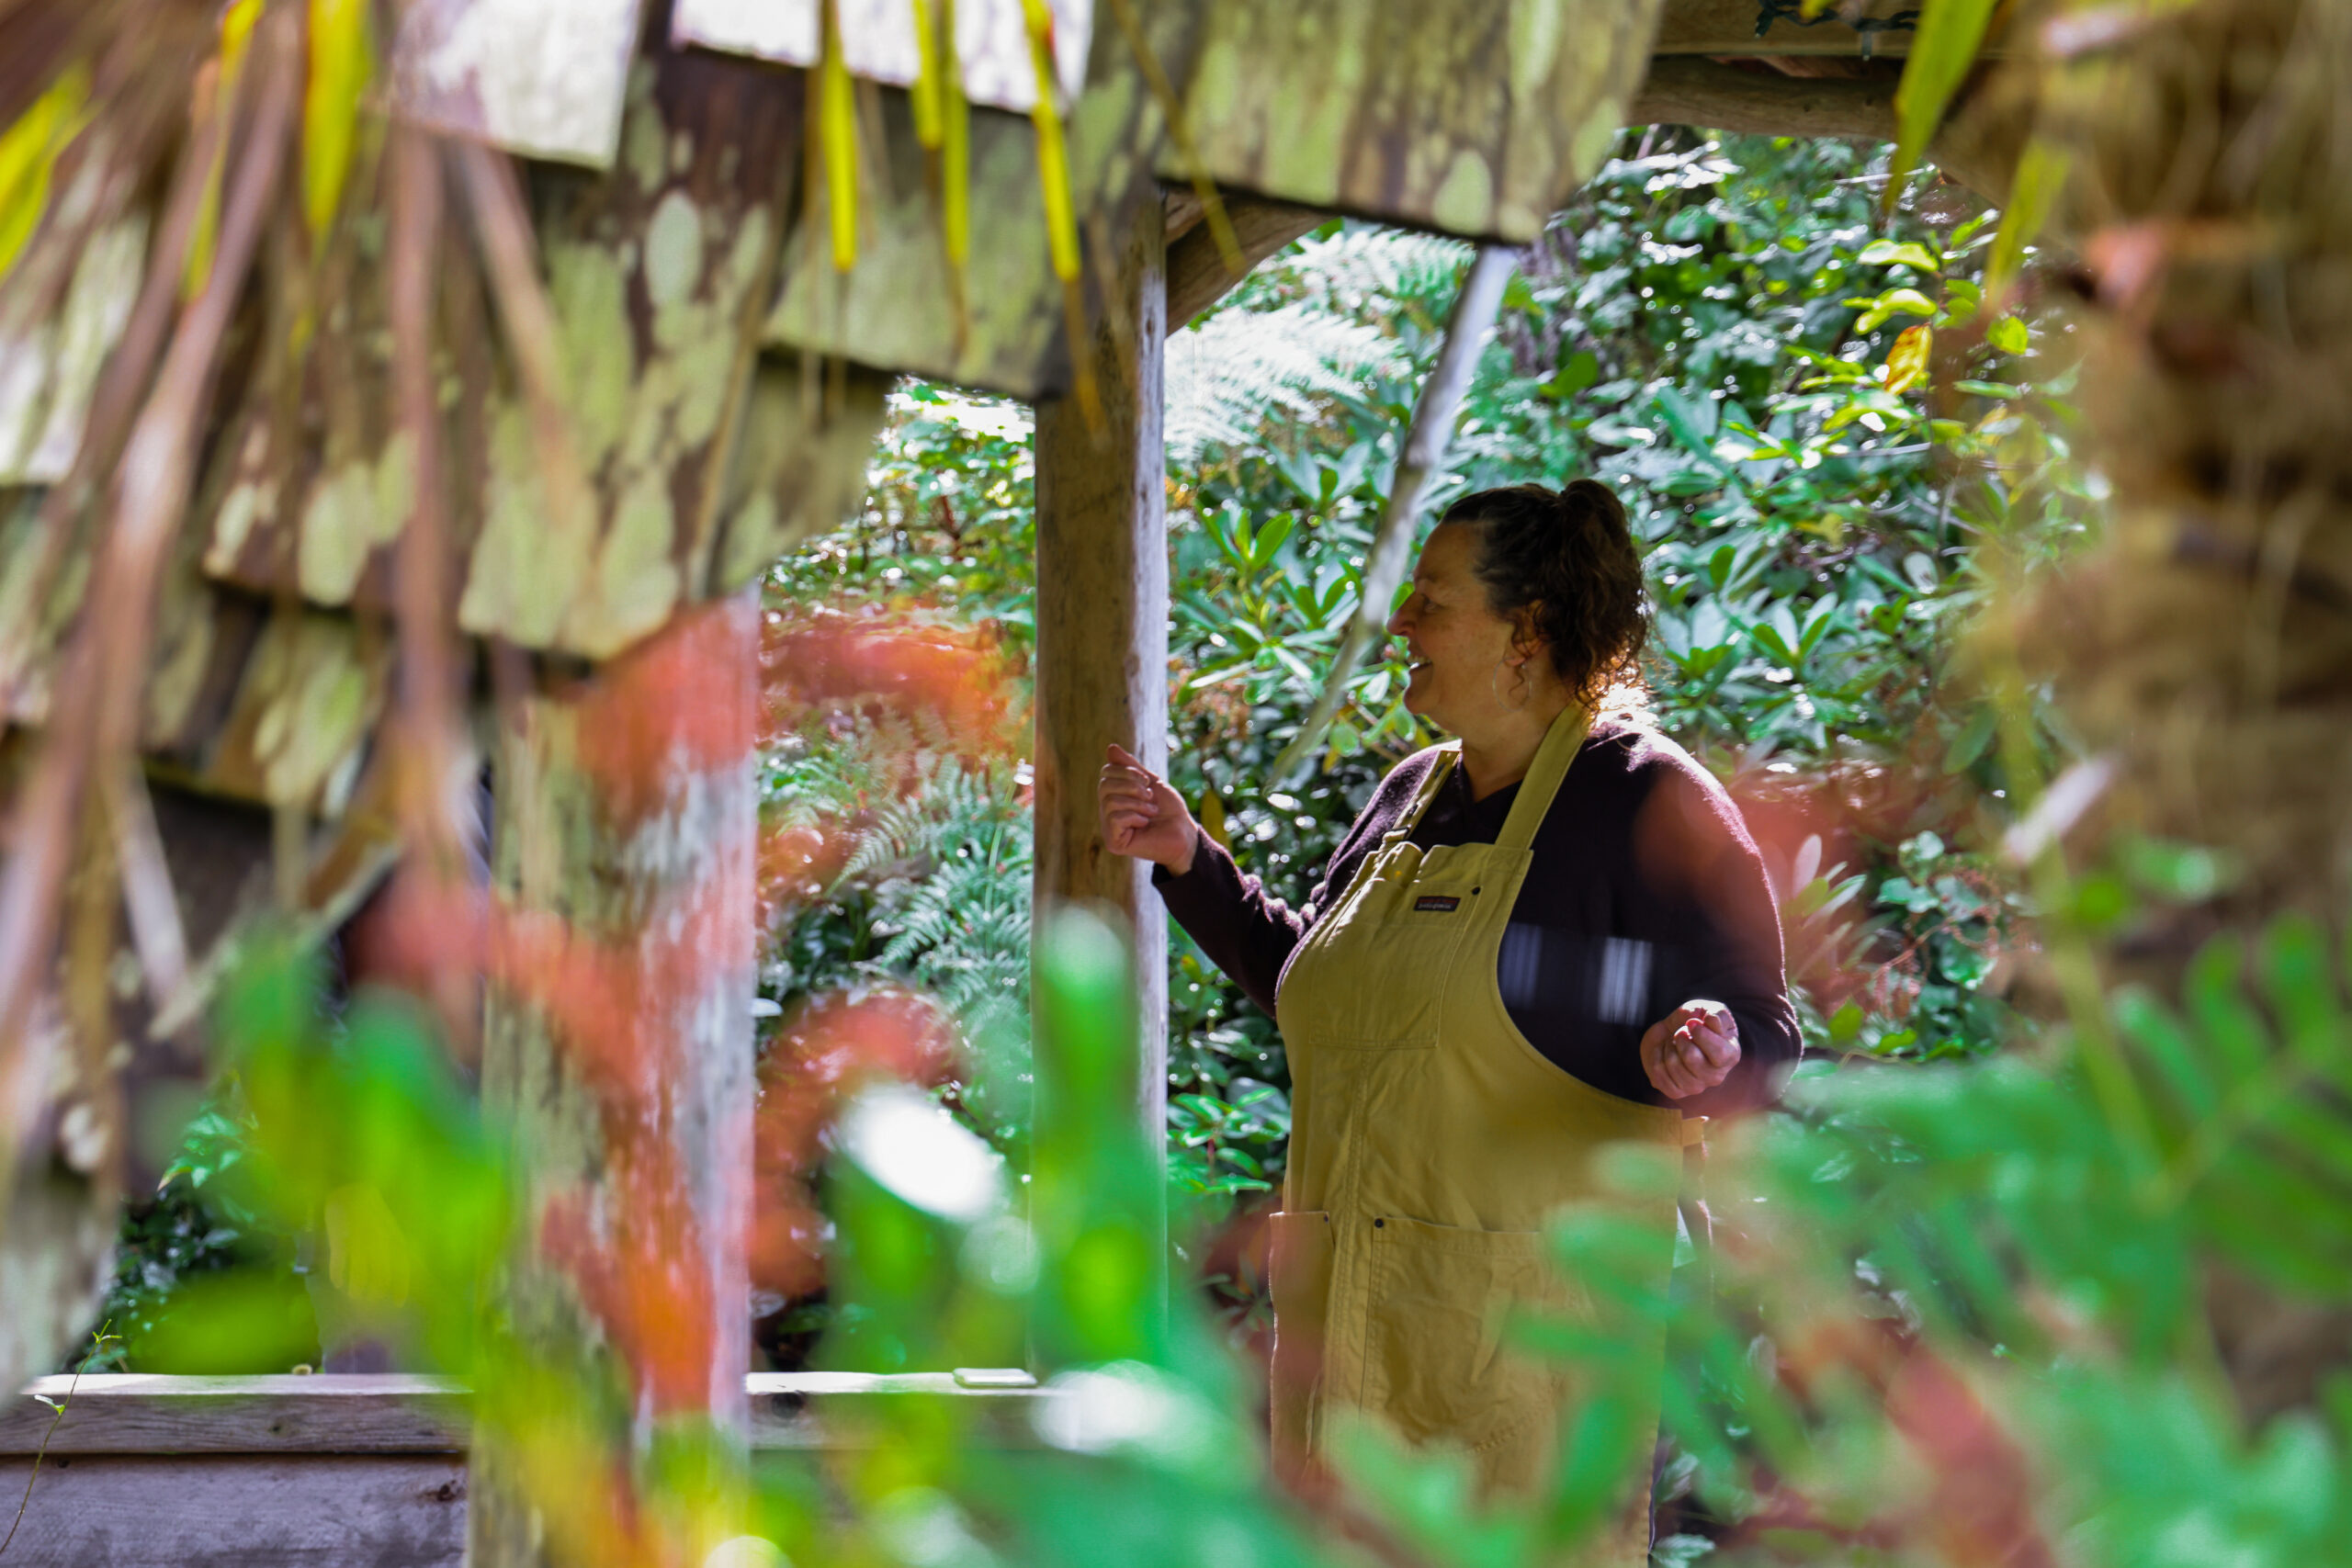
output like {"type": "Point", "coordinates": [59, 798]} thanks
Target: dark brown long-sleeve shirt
{"type": "Point", "coordinates": [1646, 892]}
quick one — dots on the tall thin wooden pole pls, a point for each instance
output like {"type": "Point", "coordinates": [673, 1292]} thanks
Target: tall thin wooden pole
{"type": "Point", "coordinates": [1102, 619]}
{"type": "Point", "coordinates": [618, 1052]}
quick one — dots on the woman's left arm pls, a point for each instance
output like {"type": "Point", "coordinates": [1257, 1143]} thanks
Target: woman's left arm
{"type": "Point", "coordinates": [1731, 1038]}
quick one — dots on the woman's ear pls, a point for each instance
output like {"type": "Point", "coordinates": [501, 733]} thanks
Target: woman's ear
{"type": "Point", "coordinates": [1527, 639]}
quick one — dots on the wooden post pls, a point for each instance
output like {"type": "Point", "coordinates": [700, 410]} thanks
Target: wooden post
{"type": "Point", "coordinates": [619, 1047]}
{"type": "Point", "coordinates": [1103, 620]}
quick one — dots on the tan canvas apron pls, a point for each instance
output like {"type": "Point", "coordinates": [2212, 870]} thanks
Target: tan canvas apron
{"type": "Point", "coordinates": [1430, 1144]}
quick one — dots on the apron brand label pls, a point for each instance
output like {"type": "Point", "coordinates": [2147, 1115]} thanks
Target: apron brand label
{"type": "Point", "coordinates": [1434, 904]}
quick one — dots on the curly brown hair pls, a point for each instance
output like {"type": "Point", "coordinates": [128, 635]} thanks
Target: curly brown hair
{"type": "Point", "coordinates": [1563, 564]}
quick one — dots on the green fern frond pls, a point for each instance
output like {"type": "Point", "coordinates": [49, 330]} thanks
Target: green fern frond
{"type": "Point", "coordinates": [1363, 272]}
{"type": "Point", "coordinates": [1238, 369]}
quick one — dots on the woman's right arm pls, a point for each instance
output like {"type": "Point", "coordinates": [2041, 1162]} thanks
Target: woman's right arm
{"type": "Point", "coordinates": [1244, 929]}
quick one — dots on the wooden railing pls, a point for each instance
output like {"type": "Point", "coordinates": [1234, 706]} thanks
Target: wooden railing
{"type": "Point", "coordinates": [145, 1472]}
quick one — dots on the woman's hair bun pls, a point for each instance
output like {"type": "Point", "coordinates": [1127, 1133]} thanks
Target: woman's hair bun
{"type": "Point", "coordinates": [1563, 562]}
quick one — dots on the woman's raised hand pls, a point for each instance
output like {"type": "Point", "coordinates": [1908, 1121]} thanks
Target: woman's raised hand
{"type": "Point", "coordinates": [1691, 1049]}
{"type": "Point", "coordinates": [1143, 817]}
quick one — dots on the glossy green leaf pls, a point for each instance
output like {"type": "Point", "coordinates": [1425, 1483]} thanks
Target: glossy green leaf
{"type": "Point", "coordinates": [1893, 303]}
{"type": "Point", "coordinates": [1893, 253]}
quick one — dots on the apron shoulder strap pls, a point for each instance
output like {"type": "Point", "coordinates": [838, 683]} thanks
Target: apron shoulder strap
{"type": "Point", "coordinates": [1561, 744]}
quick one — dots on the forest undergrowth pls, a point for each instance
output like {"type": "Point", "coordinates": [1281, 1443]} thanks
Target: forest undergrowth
{"type": "Point", "coordinates": [1830, 461]}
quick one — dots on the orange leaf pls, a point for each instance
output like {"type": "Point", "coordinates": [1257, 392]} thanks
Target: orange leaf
{"type": "Point", "coordinates": [1907, 362]}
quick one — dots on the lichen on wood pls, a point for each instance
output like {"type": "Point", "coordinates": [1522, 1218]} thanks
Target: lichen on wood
{"type": "Point", "coordinates": [1472, 119]}
{"type": "Point", "coordinates": [49, 366]}
{"type": "Point", "coordinates": [656, 274]}
{"type": "Point", "coordinates": [898, 306]}
{"type": "Point", "coordinates": [800, 463]}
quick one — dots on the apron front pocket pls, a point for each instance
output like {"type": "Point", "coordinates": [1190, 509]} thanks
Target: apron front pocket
{"type": "Point", "coordinates": [1299, 1277]}
{"type": "Point", "coordinates": [1437, 1362]}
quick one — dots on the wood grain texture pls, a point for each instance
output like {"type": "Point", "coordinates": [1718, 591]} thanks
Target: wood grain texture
{"type": "Point", "coordinates": [898, 307]}
{"type": "Point", "coordinates": [134, 1413]}
{"type": "Point", "coordinates": [1102, 622]}
{"type": "Point", "coordinates": [1468, 117]}
{"type": "Point", "coordinates": [1978, 152]}
{"type": "Point", "coordinates": [122, 1511]}
{"type": "Point", "coordinates": [656, 271]}
{"type": "Point", "coordinates": [625, 836]}
{"type": "Point", "coordinates": [1197, 274]}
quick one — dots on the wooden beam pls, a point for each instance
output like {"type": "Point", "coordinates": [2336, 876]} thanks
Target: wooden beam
{"type": "Point", "coordinates": [1102, 617]}
{"type": "Point", "coordinates": [1197, 274]}
{"type": "Point", "coordinates": [399, 1413]}
{"type": "Point", "coordinates": [1687, 90]}
{"type": "Point", "coordinates": [1464, 117]}
{"type": "Point", "coordinates": [274, 1511]}
{"type": "Point", "coordinates": [1978, 150]}
{"type": "Point", "coordinates": [1727, 27]}
{"type": "Point", "coordinates": [132, 1413]}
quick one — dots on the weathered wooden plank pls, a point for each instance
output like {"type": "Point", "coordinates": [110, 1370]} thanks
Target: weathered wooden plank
{"type": "Point", "coordinates": [387, 1511]}
{"type": "Point", "coordinates": [401, 1413]}
{"type": "Point", "coordinates": [1102, 622]}
{"type": "Point", "coordinates": [1197, 274]}
{"type": "Point", "coordinates": [898, 306]}
{"type": "Point", "coordinates": [878, 40]}
{"type": "Point", "coordinates": [1729, 28]}
{"type": "Point", "coordinates": [49, 361]}
{"type": "Point", "coordinates": [309, 696]}
{"type": "Point", "coordinates": [1979, 150]}
{"type": "Point", "coordinates": [799, 464]}
{"type": "Point", "coordinates": [811, 1411]}
{"type": "Point", "coordinates": [328, 1414]}
{"type": "Point", "coordinates": [1472, 116]}
{"type": "Point", "coordinates": [532, 76]}
{"type": "Point", "coordinates": [657, 275]}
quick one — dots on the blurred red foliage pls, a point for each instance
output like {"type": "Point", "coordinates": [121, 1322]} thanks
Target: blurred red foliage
{"type": "Point", "coordinates": [816, 660]}
{"type": "Point", "coordinates": [835, 1046]}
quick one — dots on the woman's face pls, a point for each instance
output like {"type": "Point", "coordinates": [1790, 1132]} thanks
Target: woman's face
{"type": "Point", "coordinates": [1461, 651]}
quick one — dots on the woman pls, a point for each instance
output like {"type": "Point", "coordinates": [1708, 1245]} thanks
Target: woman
{"type": "Point", "coordinates": [1548, 935]}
